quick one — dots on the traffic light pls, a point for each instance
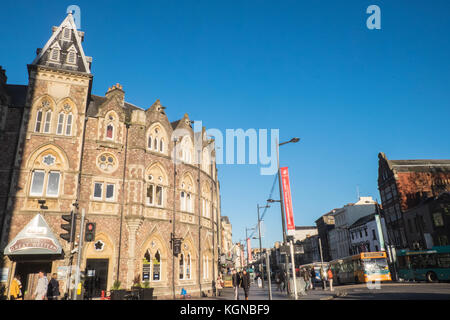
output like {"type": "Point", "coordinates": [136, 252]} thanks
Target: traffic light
{"type": "Point", "coordinates": [70, 227]}
{"type": "Point", "coordinates": [90, 232]}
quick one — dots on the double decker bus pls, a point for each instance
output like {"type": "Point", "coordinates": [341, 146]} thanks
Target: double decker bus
{"type": "Point", "coordinates": [360, 268]}
{"type": "Point", "coordinates": [430, 265]}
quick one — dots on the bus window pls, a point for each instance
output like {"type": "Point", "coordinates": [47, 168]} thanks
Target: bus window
{"type": "Point", "coordinates": [444, 260]}
{"type": "Point", "coordinates": [429, 261]}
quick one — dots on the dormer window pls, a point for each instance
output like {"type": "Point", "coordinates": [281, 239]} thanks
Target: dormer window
{"type": "Point", "coordinates": [66, 34]}
{"type": "Point", "coordinates": [71, 57]}
{"type": "Point", "coordinates": [55, 54]}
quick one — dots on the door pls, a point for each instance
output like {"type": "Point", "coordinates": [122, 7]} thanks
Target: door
{"type": "Point", "coordinates": [96, 276]}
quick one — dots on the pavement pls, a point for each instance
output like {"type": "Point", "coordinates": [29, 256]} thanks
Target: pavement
{"type": "Point", "coordinates": [257, 293]}
{"type": "Point", "coordinates": [386, 291]}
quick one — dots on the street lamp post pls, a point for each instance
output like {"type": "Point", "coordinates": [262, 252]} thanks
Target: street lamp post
{"type": "Point", "coordinates": [260, 246]}
{"type": "Point", "coordinates": [293, 140]}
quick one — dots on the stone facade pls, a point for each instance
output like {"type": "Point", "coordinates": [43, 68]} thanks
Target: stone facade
{"type": "Point", "coordinates": [62, 144]}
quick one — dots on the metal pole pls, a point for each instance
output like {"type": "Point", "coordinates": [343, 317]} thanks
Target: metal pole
{"type": "Point", "coordinates": [260, 247]}
{"type": "Point", "coordinates": [80, 249]}
{"type": "Point", "coordinates": [174, 217]}
{"type": "Point", "coordinates": [291, 243]}
{"type": "Point", "coordinates": [320, 247]}
{"type": "Point", "coordinates": [282, 214]}
{"type": "Point", "coordinates": [268, 275]}
{"type": "Point", "coordinates": [281, 194]}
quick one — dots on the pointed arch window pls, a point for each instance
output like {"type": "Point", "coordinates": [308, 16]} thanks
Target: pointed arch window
{"type": "Point", "coordinates": [150, 141]}
{"type": "Point", "coordinates": [161, 145]}
{"type": "Point", "coordinates": [60, 126]}
{"type": "Point", "coordinates": [156, 263]}
{"type": "Point", "coordinates": [155, 145]}
{"type": "Point", "coordinates": [69, 124]}
{"type": "Point", "coordinates": [48, 119]}
{"type": "Point", "coordinates": [37, 127]}
{"type": "Point", "coordinates": [181, 269]}
{"type": "Point", "coordinates": [110, 131]}
{"type": "Point", "coordinates": [188, 266]}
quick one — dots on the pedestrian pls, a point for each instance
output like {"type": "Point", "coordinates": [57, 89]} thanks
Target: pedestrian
{"type": "Point", "coordinates": [301, 282]}
{"type": "Point", "coordinates": [307, 278]}
{"type": "Point", "coordinates": [330, 278]}
{"type": "Point", "coordinates": [41, 288]}
{"type": "Point", "coordinates": [278, 280]}
{"type": "Point", "coordinates": [16, 289]}
{"type": "Point", "coordinates": [323, 278]}
{"type": "Point", "coordinates": [53, 288]}
{"type": "Point", "coordinates": [313, 278]}
{"type": "Point", "coordinates": [245, 283]}
{"type": "Point", "coordinates": [219, 284]}
{"type": "Point", "coordinates": [236, 283]}
{"type": "Point", "coordinates": [283, 279]}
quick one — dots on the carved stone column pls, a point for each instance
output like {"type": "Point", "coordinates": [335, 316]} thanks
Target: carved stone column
{"type": "Point", "coordinates": [133, 224]}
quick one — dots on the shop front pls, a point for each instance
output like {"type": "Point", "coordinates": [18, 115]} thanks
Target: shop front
{"type": "Point", "coordinates": [35, 249]}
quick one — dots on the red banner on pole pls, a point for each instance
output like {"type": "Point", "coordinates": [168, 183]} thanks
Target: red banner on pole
{"type": "Point", "coordinates": [287, 199]}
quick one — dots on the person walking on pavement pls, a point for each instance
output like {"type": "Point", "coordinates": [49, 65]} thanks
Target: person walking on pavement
{"type": "Point", "coordinates": [307, 278]}
{"type": "Point", "coordinates": [219, 285]}
{"type": "Point", "coordinates": [16, 289]}
{"type": "Point", "coordinates": [313, 278]}
{"type": "Point", "coordinates": [41, 288]}
{"type": "Point", "coordinates": [53, 288]}
{"type": "Point", "coordinates": [283, 279]}
{"type": "Point", "coordinates": [323, 278]}
{"type": "Point", "coordinates": [245, 283]}
{"type": "Point", "coordinates": [278, 281]}
{"type": "Point", "coordinates": [330, 278]}
{"type": "Point", "coordinates": [236, 283]}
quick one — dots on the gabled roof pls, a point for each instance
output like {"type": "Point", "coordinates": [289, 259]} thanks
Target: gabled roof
{"type": "Point", "coordinates": [57, 40]}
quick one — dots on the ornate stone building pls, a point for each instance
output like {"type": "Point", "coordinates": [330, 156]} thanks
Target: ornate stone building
{"type": "Point", "coordinates": [62, 144]}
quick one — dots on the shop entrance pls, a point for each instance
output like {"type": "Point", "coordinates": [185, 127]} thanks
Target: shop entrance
{"type": "Point", "coordinates": [96, 277]}
{"type": "Point", "coordinates": [29, 273]}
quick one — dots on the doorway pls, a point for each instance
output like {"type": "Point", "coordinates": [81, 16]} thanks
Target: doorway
{"type": "Point", "coordinates": [96, 276]}
{"type": "Point", "coordinates": [28, 272]}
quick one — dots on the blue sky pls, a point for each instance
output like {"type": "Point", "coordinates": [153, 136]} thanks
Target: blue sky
{"type": "Point", "coordinates": [311, 69]}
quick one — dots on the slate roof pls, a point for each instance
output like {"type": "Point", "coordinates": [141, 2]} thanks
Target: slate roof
{"type": "Point", "coordinates": [420, 165]}
{"type": "Point", "coordinates": [363, 220]}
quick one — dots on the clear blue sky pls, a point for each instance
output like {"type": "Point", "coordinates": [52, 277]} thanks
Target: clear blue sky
{"type": "Point", "coordinates": [309, 68]}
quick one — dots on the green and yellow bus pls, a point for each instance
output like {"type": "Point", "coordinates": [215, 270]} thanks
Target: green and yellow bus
{"type": "Point", "coordinates": [430, 265]}
{"type": "Point", "coordinates": [361, 268]}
